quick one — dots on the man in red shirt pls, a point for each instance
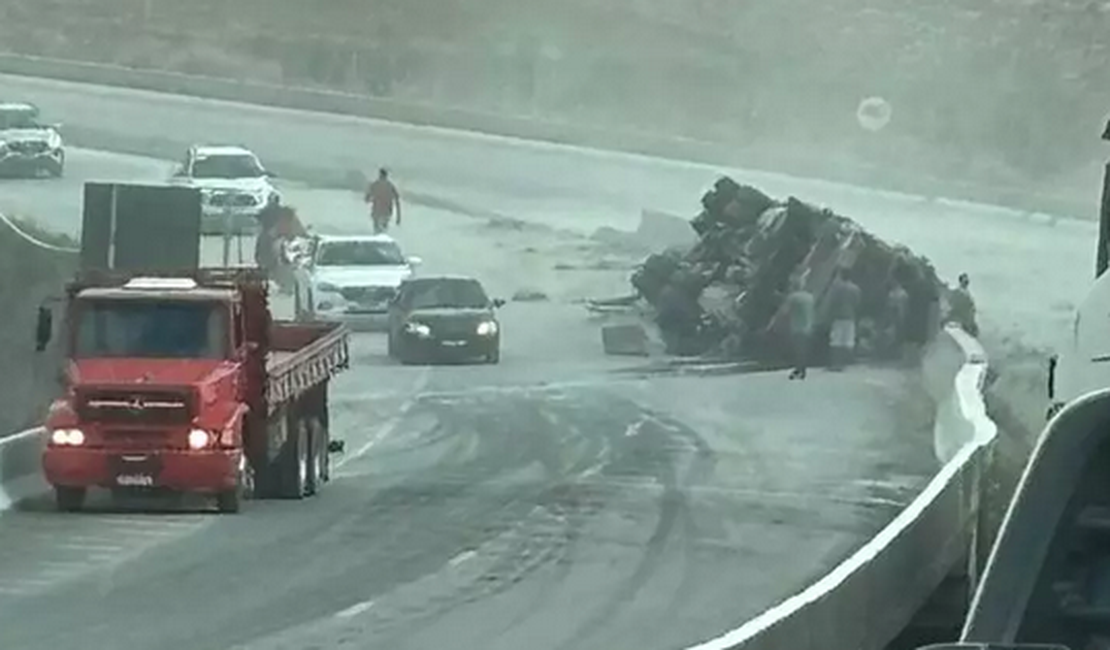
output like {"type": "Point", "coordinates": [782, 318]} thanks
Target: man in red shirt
{"type": "Point", "coordinates": [382, 196]}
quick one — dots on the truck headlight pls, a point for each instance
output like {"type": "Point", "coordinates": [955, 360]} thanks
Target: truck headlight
{"type": "Point", "coordinates": [70, 437]}
{"type": "Point", "coordinates": [487, 328]}
{"type": "Point", "coordinates": [199, 439]}
{"type": "Point", "coordinates": [418, 329]}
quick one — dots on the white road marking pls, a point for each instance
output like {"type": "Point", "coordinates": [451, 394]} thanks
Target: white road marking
{"type": "Point", "coordinates": [356, 609]}
{"type": "Point", "coordinates": [391, 425]}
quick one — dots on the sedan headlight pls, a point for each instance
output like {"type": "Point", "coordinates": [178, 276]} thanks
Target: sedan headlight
{"type": "Point", "coordinates": [487, 328]}
{"type": "Point", "coordinates": [71, 437]}
{"type": "Point", "coordinates": [327, 287]}
{"type": "Point", "coordinates": [418, 329]}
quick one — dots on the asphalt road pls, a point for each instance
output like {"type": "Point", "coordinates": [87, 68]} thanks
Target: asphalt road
{"type": "Point", "coordinates": [560, 500]}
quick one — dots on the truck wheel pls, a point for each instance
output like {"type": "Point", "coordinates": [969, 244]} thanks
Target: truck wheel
{"type": "Point", "coordinates": [230, 501]}
{"type": "Point", "coordinates": [321, 461]}
{"type": "Point", "coordinates": [69, 499]}
{"type": "Point", "coordinates": [298, 463]}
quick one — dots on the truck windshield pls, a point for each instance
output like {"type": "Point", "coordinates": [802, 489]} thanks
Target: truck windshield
{"type": "Point", "coordinates": [230, 166]}
{"type": "Point", "coordinates": [360, 253]}
{"type": "Point", "coordinates": [453, 293]}
{"type": "Point", "coordinates": [151, 329]}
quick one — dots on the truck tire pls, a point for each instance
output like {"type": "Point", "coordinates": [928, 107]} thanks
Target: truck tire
{"type": "Point", "coordinates": [297, 462]}
{"type": "Point", "coordinates": [230, 501]}
{"type": "Point", "coordinates": [320, 461]}
{"type": "Point", "coordinates": [69, 499]}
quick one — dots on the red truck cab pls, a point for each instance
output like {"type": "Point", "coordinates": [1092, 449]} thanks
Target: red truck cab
{"type": "Point", "coordinates": [184, 384]}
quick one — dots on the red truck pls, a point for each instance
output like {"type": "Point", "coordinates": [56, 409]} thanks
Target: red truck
{"type": "Point", "coordinates": [182, 382]}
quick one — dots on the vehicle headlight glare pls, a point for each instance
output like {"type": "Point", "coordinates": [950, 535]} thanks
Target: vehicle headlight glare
{"type": "Point", "coordinates": [487, 328]}
{"type": "Point", "coordinates": [419, 329]}
{"type": "Point", "coordinates": [198, 439]}
{"type": "Point", "coordinates": [72, 437]}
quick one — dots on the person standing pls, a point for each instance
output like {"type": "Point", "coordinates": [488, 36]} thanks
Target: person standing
{"type": "Point", "coordinates": [798, 309]}
{"type": "Point", "coordinates": [897, 307]}
{"type": "Point", "coordinates": [383, 197]}
{"type": "Point", "coordinates": [844, 300]}
{"type": "Point", "coordinates": [961, 306]}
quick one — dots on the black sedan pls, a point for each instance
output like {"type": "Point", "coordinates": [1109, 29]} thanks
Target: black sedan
{"type": "Point", "coordinates": [444, 318]}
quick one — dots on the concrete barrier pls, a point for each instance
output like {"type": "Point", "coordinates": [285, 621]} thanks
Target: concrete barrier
{"type": "Point", "coordinates": [629, 140]}
{"type": "Point", "coordinates": [20, 475]}
{"type": "Point", "coordinates": [866, 600]}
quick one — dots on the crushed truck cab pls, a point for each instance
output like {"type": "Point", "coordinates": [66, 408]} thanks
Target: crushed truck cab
{"type": "Point", "coordinates": [184, 383]}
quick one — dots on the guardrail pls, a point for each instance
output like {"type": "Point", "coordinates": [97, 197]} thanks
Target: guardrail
{"type": "Point", "coordinates": [20, 476]}
{"type": "Point", "coordinates": [866, 600]}
{"type": "Point", "coordinates": [550, 130]}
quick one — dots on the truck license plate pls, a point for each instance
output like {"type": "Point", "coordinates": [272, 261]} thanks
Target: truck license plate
{"type": "Point", "coordinates": [135, 480]}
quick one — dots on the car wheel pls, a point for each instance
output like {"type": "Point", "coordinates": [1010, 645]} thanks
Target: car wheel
{"type": "Point", "coordinates": [56, 168]}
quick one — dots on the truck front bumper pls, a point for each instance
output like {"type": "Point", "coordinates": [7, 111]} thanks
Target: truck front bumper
{"type": "Point", "coordinates": [205, 471]}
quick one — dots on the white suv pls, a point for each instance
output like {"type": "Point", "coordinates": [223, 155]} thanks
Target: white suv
{"type": "Point", "coordinates": [28, 147]}
{"type": "Point", "coordinates": [234, 185]}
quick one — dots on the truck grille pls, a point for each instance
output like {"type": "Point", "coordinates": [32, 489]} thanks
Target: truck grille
{"type": "Point", "coordinates": [137, 440]}
{"type": "Point", "coordinates": [134, 407]}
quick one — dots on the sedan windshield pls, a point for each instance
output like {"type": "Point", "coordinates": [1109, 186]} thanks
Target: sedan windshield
{"type": "Point", "coordinates": [151, 329]}
{"type": "Point", "coordinates": [231, 166]}
{"type": "Point", "coordinates": [451, 293]}
{"type": "Point", "coordinates": [23, 118]}
{"type": "Point", "coordinates": [360, 253]}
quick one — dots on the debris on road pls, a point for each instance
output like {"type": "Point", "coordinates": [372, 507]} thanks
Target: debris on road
{"type": "Point", "coordinates": [529, 295]}
{"type": "Point", "coordinates": [627, 339]}
{"type": "Point", "coordinates": [720, 296]}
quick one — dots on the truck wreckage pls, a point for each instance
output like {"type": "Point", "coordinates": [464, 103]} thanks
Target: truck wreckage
{"type": "Point", "coordinates": [720, 296]}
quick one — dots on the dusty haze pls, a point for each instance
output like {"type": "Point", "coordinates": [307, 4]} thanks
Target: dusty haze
{"type": "Point", "coordinates": [989, 91]}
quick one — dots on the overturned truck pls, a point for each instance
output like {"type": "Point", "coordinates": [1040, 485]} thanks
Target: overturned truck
{"type": "Point", "coordinates": [721, 296]}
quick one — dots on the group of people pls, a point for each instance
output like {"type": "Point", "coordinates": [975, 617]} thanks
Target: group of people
{"type": "Point", "coordinates": [799, 309]}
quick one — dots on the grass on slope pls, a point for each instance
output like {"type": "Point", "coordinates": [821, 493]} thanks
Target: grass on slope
{"type": "Point", "coordinates": [28, 275]}
{"type": "Point", "coordinates": [981, 88]}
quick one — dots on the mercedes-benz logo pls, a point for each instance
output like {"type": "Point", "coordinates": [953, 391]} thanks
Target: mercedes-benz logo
{"type": "Point", "coordinates": [137, 404]}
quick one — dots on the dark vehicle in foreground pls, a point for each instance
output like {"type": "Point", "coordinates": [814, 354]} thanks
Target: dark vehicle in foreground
{"type": "Point", "coordinates": [444, 318]}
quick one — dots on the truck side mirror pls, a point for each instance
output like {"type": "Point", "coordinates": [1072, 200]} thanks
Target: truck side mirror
{"type": "Point", "coordinates": [44, 328]}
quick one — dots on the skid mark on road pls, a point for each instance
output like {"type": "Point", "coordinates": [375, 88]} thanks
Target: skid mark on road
{"type": "Point", "coordinates": [39, 551]}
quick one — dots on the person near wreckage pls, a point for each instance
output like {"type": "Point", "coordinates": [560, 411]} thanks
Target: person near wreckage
{"type": "Point", "coordinates": [843, 302]}
{"type": "Point", "coordinates": [798, 311]}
